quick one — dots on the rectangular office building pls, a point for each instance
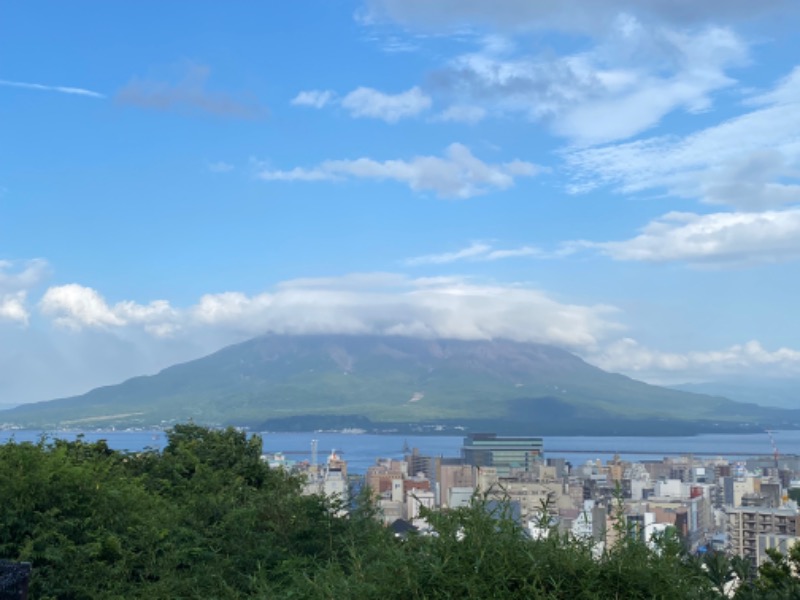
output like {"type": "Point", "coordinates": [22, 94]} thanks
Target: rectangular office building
{"type": "Point", "coordinates": [505, 453]}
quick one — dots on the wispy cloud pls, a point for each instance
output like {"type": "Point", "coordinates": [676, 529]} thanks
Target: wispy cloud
{"type": "Point", "coordinates": [471, 251]}
{"type": "Point", "coordinates": [623, 85]}
{"type": "Point", "coordinates": [459, 174]}
{"type": "Point", "coordinates": [462, 114]}
{"type": "Point", "coordinates": [369, 103]}
{"type": "Point", "coordinates": [19, 275]}
{"type": "Point", "coordinates": [313, 98]}
{"type": "Point", "coordinates": [585, 16]}
{"type": "Point", "coordinates": [374, 104]}
{"type": "Point", "coordinates": [751, 161]}
{"type": "Point", "coordinates": [393, 44]}
{"type": "Point", "coordinates": [189, 93]}
{"type": "Point", "coordinates": [17, 278]}
{"type": "Point", "coordinates": [75, 91]}
{"type": "Point", "coordinates": [477, 251]}
{"type": "Point", "coordinates": [220, 167]}
{"type": "Point", "coordinates": [716, 239]}
{"type": "Point", "coordinates": [629, 356]}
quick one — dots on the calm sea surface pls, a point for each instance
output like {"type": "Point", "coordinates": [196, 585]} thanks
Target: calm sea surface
{"type": "Point", "coordinates": [361, 450]}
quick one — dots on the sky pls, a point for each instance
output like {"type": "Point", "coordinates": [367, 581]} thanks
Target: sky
{"type": "Point", "coordinates": [617, 178]}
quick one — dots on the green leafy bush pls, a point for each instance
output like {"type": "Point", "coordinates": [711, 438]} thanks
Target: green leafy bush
{"type": "Point", "coordinates": [206, 518]}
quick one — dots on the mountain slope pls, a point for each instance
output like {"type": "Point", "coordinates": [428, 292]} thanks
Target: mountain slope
{"type": "Point", "coordinates": [780, 393]}
{"type": "Point", "coordinates": [387, 380]}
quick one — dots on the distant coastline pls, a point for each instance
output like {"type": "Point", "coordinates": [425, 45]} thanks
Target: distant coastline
{"type": "Point", "coordinates": [361, 450]}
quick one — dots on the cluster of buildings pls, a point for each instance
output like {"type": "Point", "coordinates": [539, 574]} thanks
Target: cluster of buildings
{"type": "Point", "coordinates": [741, 507]}
{"type": "Point", "coordinates": [327, 479]}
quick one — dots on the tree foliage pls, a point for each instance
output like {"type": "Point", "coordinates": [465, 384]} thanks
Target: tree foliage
{"type": "Point", "coordinates": [206, 518]}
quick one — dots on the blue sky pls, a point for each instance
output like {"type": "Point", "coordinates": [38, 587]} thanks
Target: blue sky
{"type": "Point", "coordinates": [617, 178]}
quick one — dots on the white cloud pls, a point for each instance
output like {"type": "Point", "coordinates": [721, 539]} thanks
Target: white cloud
{"type": "Point", "coordinates": [630, 357]}
{"type": "Point", "coordinates": [717, 238]}
{"type": "Point", "coordinates": [356, 281]}
{"type": "Point", "coordinates": [447, 308]}
{"type": "Point", "coordinates": [131, 312]}
{"type": "Point", "coordinates": [622, 86]}
{"type": "Point", "coordinates": [394, 304]}
{"type": "Point", "coordinates": [477, 251]}
{"type": "Point", "coordinates": [751, 161]}
{"type": "Point", "coordinates": [380, 303]}
{"type": "Point", "coordinates": [13, 308]}
{"type": "Point", "coordinates": [154, 335]}
{"type": "Point", "coordinates": [471, 251]}
{"type": "Point", "coordinates": [514, 253]}
{"type": "Point", "coordinates": [463, 114]}
{"type": "Point", "coordinates": [458, 174]}
{"type": "Point", "coordinates": [590, 17]}
{"type": "Point", "coordinates": [635, 100]}
{"type": "Point", "coordinates": [75, 306]}
{"type": "Point", "coordinates": [313, 98]}
{"type": "Point", "coordinates": [52, 88]}
{"type": "Point", "coordinates": [22, 275]}
{"type": "Point", "coordinates": [17, 278]}
{"type": "Point", "coordinates": [228, 307]}
{"type": "Point", "coordinates": [374, 104]}
{"type": "Point", "coordinates": [321, 173]}
{"type": "Point", "coordinates": [640, 66]}
{"type": "Point", "coordinates": [96, 343]}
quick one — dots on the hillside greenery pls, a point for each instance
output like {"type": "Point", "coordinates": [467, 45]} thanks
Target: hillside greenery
{"type": "Point", "coordinates": [206, 518]}
{"type": "Point", "coordinates": [267, 382]}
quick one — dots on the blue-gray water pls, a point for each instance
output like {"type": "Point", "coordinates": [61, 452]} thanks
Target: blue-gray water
{"type": "Point", "coordinates": [361, 450]}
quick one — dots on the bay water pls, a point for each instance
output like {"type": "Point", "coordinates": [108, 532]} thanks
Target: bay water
{"type": "Point", "coordinates": [361, 450]}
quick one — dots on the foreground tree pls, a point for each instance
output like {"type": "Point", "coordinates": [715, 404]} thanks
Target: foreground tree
{"type": "Point", "coordinates": [206, 518]}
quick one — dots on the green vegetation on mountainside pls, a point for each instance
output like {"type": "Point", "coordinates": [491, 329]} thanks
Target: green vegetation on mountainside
{"type": "Point", "coordinates": [385, 379]}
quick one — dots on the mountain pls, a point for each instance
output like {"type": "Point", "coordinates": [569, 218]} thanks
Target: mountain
{"type": "Point", "coordinates": [398, 383]}
{"type": "Point", "coordinates": [780, 393]}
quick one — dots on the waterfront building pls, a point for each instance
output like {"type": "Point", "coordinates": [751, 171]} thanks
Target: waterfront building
{"type": "Point", "coordinates": [277, 460]}
{"type": "Point", "coordinates": [330, 480]}
{"type": "Point", "coordinates": [337, 464]}
{"type": "Point", "coordinates": [504, 453]}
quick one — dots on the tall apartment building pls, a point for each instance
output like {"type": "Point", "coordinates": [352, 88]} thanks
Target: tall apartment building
{"type": "Point", "coordinates": [751, 529]}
